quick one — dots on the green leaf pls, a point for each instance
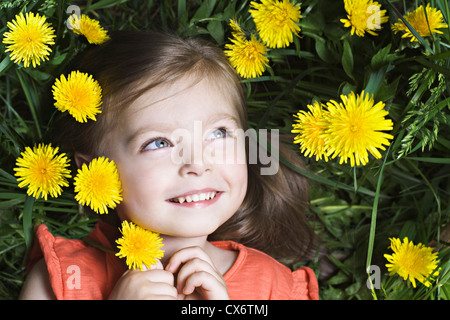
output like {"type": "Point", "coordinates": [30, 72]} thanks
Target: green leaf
{"type": "Point", "coordinates": [204, 11]}
{"type": "Point", "coordinates": [28, 220]}
{"type": "Point", "coordinates": [215, 29]}
{"type": "Point", "coordinates": [347, 59]}
{"type": "Point", "coordinates": [375, 80]}
{"type": "Point", "coordinates": [5, 64]}
{"type": "Point", "coordinates": [102, 4]}
{"type": "Point", "coordinates": [383, 57]}
{"type": "Point", "coordinates": [325, 52]}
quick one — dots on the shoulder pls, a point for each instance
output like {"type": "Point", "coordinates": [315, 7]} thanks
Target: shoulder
{"type": "Point", "coordinates": [37, 284]}
{"type": "Point", "coordinates": [256, 275]}
{"type": "Point", "coordinates": [75, 269]}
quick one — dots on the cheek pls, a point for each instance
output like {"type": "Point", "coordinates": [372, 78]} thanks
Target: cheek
{"type": "Point", "coordinates": [243, 178]}
{"type": "Point", "coordinates": [137, 181]}
{"type": "Point", "coordinates": [237, 176]}
{"type": "Point", "coordinates": [140, 196]}
{"type": "Point", "coordinates": [230, 151]}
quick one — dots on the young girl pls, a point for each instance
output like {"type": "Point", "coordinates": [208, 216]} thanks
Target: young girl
{"type": "Point", "coordinates": [163, 95]}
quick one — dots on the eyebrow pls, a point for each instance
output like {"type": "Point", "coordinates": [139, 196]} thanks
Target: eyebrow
{"type": "Point", "coordinates": [157, 127]}
{"type": "Point", "coordinates": [166, 127]}
{"type": "Point", "coordinates": [222, 116]}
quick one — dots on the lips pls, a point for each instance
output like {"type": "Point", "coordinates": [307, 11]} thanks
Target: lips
{"type": "Point", "coordinates": [196, 198]}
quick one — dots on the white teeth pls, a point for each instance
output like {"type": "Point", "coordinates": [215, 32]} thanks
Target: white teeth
{"type": "Point", "coordinates": [195, 197]}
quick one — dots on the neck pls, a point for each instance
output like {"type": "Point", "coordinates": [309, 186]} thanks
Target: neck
{"type": "Point", "coordinates": [173, 244]}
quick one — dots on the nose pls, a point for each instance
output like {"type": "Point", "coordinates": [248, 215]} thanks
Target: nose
{"type": "Point", "coordinates": [194, 169]}
{"type": "Point", "coordinates": [195, 163]}
{"type": "Point", "coordinates": [194, 159]}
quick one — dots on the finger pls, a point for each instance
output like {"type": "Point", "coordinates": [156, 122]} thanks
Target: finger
{"type": "Point", "coordinates": [161, 289]}
{"type": "Point", "coordinates": [159, 276]}
{"type": "Point", "coordinates": [162, 283]}
{"type": "Point", "coordinates": [152, 284]}
{"type": "Point", "coordinates": [161, 297]}
{"type": "Point", "coordinates": [150, 276]}
{"type": "Point", "coordinates": [193, 266]}
{"type": "Point", "coordinates": [186, 254]}
{"type": "Point", "coordinates": [208, 286]}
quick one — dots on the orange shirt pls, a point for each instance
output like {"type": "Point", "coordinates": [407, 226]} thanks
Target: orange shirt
{"type": "Point", "coordinates": [78, 270]}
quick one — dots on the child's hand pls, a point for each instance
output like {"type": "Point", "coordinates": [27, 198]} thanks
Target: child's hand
{"type": "Point", "coordinates": [145, 285]}
{"type": "Point", "coordinates": [197, 276]}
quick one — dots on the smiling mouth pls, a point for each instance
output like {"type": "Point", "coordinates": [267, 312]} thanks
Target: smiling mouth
{"type": "Point", "coordinates": [195, 197]}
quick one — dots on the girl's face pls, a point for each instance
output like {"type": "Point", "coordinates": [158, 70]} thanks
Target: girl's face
{"type": "Point", "coordinates": [180, 159]}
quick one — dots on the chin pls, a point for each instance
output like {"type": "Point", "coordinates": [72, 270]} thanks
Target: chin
{"type": "Point", "coordinates": [191, 232]}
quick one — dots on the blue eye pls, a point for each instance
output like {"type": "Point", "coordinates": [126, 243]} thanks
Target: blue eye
{"type": "Point", "coordinates": [218, 134]}
{"type": "Point", "coordinates": [157, 143]}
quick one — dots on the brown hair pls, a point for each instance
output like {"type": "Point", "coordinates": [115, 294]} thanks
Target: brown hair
{"type": "Point", "coordinates": [271, 218]}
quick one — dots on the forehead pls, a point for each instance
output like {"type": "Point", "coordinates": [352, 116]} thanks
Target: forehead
{"type": "Point", "coordinates": [179, 104]}
{"type": "Point", "coordinates": [191, 95]}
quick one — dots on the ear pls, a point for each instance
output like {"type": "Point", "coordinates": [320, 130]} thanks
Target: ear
{"type": "Point", "coordinates": [82, 158]}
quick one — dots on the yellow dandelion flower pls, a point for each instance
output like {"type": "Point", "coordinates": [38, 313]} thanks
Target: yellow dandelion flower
{"type": "Point", "coordinates": [425, 25]}
{"type": "Point", "coordinates": [416, 262]}
{"type": "Point", "coordinates": [364, 16]}
{"type": "Point", "coordinates": [354, 127]}
{"type": "Point", "coordinates": [310, 128]}
{"type": "Point", "coordinates": [276, 21]}
{"type": "Point", "coordinates": [141, 247]}
{"type": "Point", "coordinates": [43, 170]}
{"type": "Point", "coordinates": [246, 56]}
{"type": "Point", "coordinates": [98, 185]}
{"type": "Point", "coordinates": [236, 29]}
{"type": "Point", "coordinates": [29, 39]}
{"type": "Point", "coordinates": [90, 28]}
{"type": "Point", "coordinates": [79, 94]}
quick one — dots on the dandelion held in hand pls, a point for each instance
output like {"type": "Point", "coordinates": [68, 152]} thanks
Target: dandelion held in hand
{"type": "Point", "coordinates": [425, 25]}
{"type": "Point", "coordinates": [139, 246]}
{"type": "Point", "coordinates": [246, 56]}
{"type": "Point", "coordinates": [28, 39]}
{"type": "Point", "coordinates": [311, 128]}
{"type": "Point", "coordinates": [276, 21]}
{"type": "Point", "coordinates": [413, 262]}
{"type": "Point", "coordinates": [364, 16]}
{"type": "Point", "coordinates": [79, 94]}
{"type": "Point", "coordinates": [355, 128]}
{"type": "Point", "coordinates": [98, 185]}
{"type": "Point", "coordinates": [43, 170]}
{"type": "Point", "coordinates": [90, 28]}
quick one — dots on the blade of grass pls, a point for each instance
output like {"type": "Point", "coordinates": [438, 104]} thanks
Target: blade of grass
{"type": "Point", "coordinates": [31, 101]}
{"type": "Point", "coordinates": [373, 221]}
{"type": "Point", "coordinates": [410, 27]}
{"type": "Point", "coordinates": [430, 160]}
{"type": "Point", "coordinates": [435, 195]}
{"type": "Point", "coordinates": [315, 177]}
{"type": "Point", "coordinates": [289, 88]}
